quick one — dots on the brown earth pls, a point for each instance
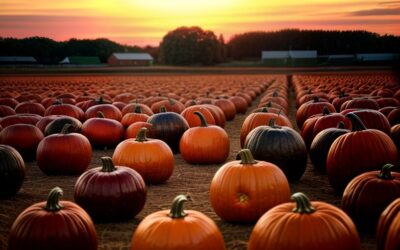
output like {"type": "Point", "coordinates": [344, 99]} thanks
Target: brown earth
{"type": "Point", "coordinates": [193, 179]}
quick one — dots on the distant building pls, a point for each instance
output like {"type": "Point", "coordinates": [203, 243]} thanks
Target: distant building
{"type": "Point", "coordinates": [17, 60]}
{"type": "Point", "coordinates": [377, 57]}
{"type": "Point", "coordinates": [81, 60]}
{"type": "Point", "coordinates": [130, 59]}
{"type": "Point", "coordinates": [289, 57]}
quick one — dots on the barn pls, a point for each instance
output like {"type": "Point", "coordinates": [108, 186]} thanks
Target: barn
{"type": "Point", "coordinates": [21, 60]}
{"type": "Point", "coordinates": [289, 58]}
{"type": "Point", "coordinates": [130, 59]}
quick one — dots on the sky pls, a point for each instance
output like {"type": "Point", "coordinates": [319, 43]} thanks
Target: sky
{"type": "Point", "coordinates": [145, 22]}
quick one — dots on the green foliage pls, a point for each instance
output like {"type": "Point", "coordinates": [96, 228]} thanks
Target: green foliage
{"type": "Point", "coordinates": [191, 46]}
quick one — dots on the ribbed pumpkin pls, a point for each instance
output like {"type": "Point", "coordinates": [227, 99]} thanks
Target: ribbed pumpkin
{"type": "Point", "coordinates": [364, 103]}
{"type": "Point", "coordinates": [322, 143]}
{"type": "Point", "coordinates": [131, 107]}
{"type": "Point", "coordinates": [133, 130]}
{"type": "Point", "coordinates": [53, 224]}
{"type": "Point", "coordinates": [12, 171]}
{"type": "Point", "coordinates": [170, 104]}
{"type": "Point", "coordinates": [217, 113]}
{"type": "Point", "coordinates": [259, 119]}
{"type": "Point", "coordinates": [6, 111]}
{"type": "Point", "coordinates": [65, 109]}
{"type": "Point", "coordinates": [227, 107]}
{"type": "Point", "coordinates": [357, 152]}
{"type": "Point", "coordinates": [177, 229]}
{"type": "Point", "coordinates": [19, 119]}
{"type": "Point", "coordinates": [193, 120]}
{"type": "Point", "coordinates": [103, 132]}
{"type": "Point", "coordinates": [56, 126]}
{"type": "Point", "coordinates": [304, 226]}
{"type": "Point", "coordinates": [23, 137]}
{"type": "Point", "coordinates": [395, 135]}
{"type": "Point", "coordinates": [168, 127]}
{"type": "Point", "coordinates": [110, 193]}
{"type": "Point", "coordinates": [242, 191]}
{"type": "Point", "coordinates": [282, 146]}
{"type": "Point", "coordinates": [204, 144]}
{"type": "Point", "coordinates": [65, 153]}
{"type": "Point", "coordinates": [30, 108]}
{"type": "Point", "coordinates": [151, 158]}
{"type": "Point", "coordinates": [373, 119]}
{"type": "Point", "coordinates": [367, 195]}
{"type": "Point", "coordinates": [310, 108]}
{"type": "Point", "coordinates": [391, 215]}
{"type": "Point", "coordinates": [109, 111]}
{"type": "Point", "coordinates": [136, 116]}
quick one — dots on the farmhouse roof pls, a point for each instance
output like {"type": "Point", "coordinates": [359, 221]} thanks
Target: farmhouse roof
{"type": "Point", "coordinates": [88, 60]}
{"type": "Point", "coordinates": [18, 59]}
{"type": "Point", "coordinates": [133, 56]}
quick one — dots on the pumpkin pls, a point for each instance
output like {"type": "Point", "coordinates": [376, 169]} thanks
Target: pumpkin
{"type": "Point", "coordinates": [177, 229]}
{"type": "Point", "coordinates": [227, 107]}
{"type": "Point", "coordinates": [65, 109]}
{"type": "Point", "coordinates": [151, 158]}
{"type": "Point", "coordinates": [8, 101]}
{"type": "Point", "coordinates": [6, 111]}
{"type": "Point", "coordinates": [386, 219]}
{"type": "Point", "coordinates": [364, 103]}
{"type": "Point", "coordinates": [23, 137]}
{"type": "Point", "coordinates": [258, 119]}
{"type": "Point", "coordinates": [12, 171]}
{"type": "Point", "coordinates": [242, 191]}
{"type": "Point", "coordinates": [321, 144]}
{"type": "Point", "coordinates": [204, 144]}
{"type": "Point", "coordinates": [133, 130]}
{"type": "Point", "coordinates": [304, 226]}
{"type": "Point", "coordinates": [217, 113]}
{"type": "Point", "coordinates": [356, 152]}
{"type": "Point", "coordinates": [240, 104]}
{"type": "Point", "coordinates": [55, 126]}
{"type": "Point", "coordinates": [103, 132]}
{"type": "Point", "coordinates": [53, 225]}
{"type": "Point", "coordinates": [131, 107]}
{"type": "Point", "coordinates": [30, 108]}
{"type": "Point", "coordinates": [19, 119]}
{"type": "Point", "coordinates": [394, 116]}
{"type": "Point", "coordinates": [170, 104]}
{"type": "Point", "coordinates": [65, 153]}
{"type": "Point", "coordinates": [282, 146]}
{"type": "Point", "coordinates": [110, 193]}
{"type": "Point", "coordinates": [310, 108]}
{"type": "Point", "coordinates": [168, 127]}
{"type": "Point", "coordinates": [193, 120]}
{"type": "Point", "coordinates": [109, 111]}
{"type": "Point", "coordinates": [395, 135]}
{"type": "Point", "coordinates": [44, 121]}
{"type": "Point", "coordinates": [136, 116]}
{"type": "Point", "coordinates": [367, 195]}
{"type": "Point", "coordinates": [373, 119]}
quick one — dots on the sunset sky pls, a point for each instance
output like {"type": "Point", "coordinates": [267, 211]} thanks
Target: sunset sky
{"type": "Point", "coordinates": [142, 22]}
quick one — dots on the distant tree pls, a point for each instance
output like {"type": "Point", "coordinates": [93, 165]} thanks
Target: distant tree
{"type": "Point", "coordinates": [189, 46]}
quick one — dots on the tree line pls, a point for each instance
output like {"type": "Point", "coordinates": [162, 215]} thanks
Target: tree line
{"type": "Point", "coordinates": [195, 46]}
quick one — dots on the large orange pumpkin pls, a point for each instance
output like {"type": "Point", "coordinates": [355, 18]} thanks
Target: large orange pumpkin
{"type": "Point", "coordinates": [177, 229]}
{"type": "Point", "coordinates": [242, 191]}
{"type": "Point", "coordinates": [304, 225]}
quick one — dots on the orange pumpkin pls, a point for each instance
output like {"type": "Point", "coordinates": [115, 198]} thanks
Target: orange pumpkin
{"type": "Point", "coordinates": [304, 225]}
{"type": "Point", "coordinates": [386, 220]}
{"type": "Point", "coordinates": [177, 229]}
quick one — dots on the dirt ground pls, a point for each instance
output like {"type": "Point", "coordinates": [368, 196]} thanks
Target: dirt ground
{"type": "Point", "coordinates": [193, 179]}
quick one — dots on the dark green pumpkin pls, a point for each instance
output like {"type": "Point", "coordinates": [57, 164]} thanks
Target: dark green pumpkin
{"type": "Point", "coordinates": [12, 171]}
{"type": "Point", "coordinates": [282, 146]}
{"type": "Point", "coordinates": [168, 127]}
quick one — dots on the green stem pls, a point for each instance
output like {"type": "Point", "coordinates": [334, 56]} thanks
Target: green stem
{"type": "Point", "coordinates": [67, 128]}
{"type": "Point", "coordinates": [246, 157]}
{"type": "Point", "coordinates": [138, 109]}
{"type": "Point", "coordinates": [53, 200]}
{"type": "Point", "coordinates": [100, 100]}
{"type": "Point", "coordinates": [163, 109]}
{"type": "Point", "coordinates": [385, 172]}
{"type": "Point", "coordinates": [316, 99]}
{"type": "Point", "coordinates": [303, 204]}
{"type": "Point", "coordinates": [325, 111]}
{"type": "Point", "coordinates": [275, 94]}
{"type": "Point", "coordinates": [171, 102]}
{"type": "Point", "coordinates": [177, 206]}
{"type": "Point", "coordinates": [108, 165]}
{"type": "Point", "coordinates": [141, 135]}
{"type": "Point", "coordinates": [340, 125]}
{"type": "Point", "coordinates": [264, 110]}
{"type": "Point", "coordinates": [356, 123]}
{"type": "Point", "coordinates": [100, 114]}
{"type": "Point", "coordinates": [202, 119]}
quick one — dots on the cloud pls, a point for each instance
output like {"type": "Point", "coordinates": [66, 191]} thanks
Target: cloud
{"type": "Point", "coordinates": [389, 3]}
{"type": "Point", "coordinates": [377, 12]}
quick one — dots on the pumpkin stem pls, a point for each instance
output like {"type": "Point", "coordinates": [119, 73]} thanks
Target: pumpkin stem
{"type": "Point", "coordinates": [268, 105]}
{"type": "Point", "coordinates": [246, 157]}
{"type": "Point", "coordinates": [325, 111]}
{"type": "Point", "coordinates": [385, 172]}
{"type": "Point", "coordinates": [171, 101]}
{"type": "Point", "coordinates": [271, 122]}
{"type": "Point", "coordinates": [53, 200]}
{"type": "Point", "coordinates": [57, 102]}
{"type": "Point", "coordinates": [264, 110]}
{"type": "Point", "coordinates": [141, 135]}
{"type": "Point", "coordinates": [101, 100]}
{"type": "Point", "coordinates": [176, 211]}
{"type": "Point", "coordinates": [316, 99]}
{"type": "Point", "coordinates": [108, 165]}
{"type": "Point", "coordinates": [275, 94]}
{"type": "Point", "coordinates": [303, 204]}
{"type": "Point", "coordinates": [202, 119]}
{"type": "Point", "coordinates": [356, 122]}
{"type": "Point", "coordinates": [66, 129]}
{"type": "Point", "coordinates": [100, 114]}
{"type": "Point", "coordinates": [138, 109]}
{"type": "Point", "coordinates": [163, 109]}
{"type": "Point", "coordinates": [340, 125]}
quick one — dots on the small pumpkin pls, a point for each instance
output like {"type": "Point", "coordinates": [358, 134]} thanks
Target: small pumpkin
{"type": "Point", "coordinates": [242, 191]}
{"type": "Point", "coordinates": [136, 116]}
{"type": "Point", "coordinates": [188, 229]}
{"type": "Point", "coordinates": [110, 193]}
{"type": "Point", "coordinates": [53, 224]}
{"type": "Point", "coordinates": [109, 111]}
{"type": "Point", "coordinates": [304, 226]}
{"type": "Point", "coordinates": [193, 120]}
{"type": "Point", "coordinates": [151, 158]}
{"type": "Point", "coordinates": [12, 171]}
{"type": "Point", "coordinates": [368, 194]}
{"type": "Point", "coordinates": [204, 144]}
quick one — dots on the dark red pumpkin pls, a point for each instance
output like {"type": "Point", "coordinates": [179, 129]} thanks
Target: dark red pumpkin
{"type": "Point", "coordinates": [395, 135]}
{"type": "Point", "coordinates": [109, 111]}
{"type": "Point", "coordinates": [391, 215]}
{"type": "Point", "coordinates": [357, 152]}
{"type": "Point", "coordinates": [54, 224]}
{"type": "Point", "coordinates": [136, 116]}
{"type": "Point", "coordinates": [65, 109]}
{"type": "Point", "coordinates": [394, 116]}
{"type": "Point", "coordinates": [30, 108]}
{"type": "Point", "coordinates": [364, 103]}
{"type": "Point", "coordinates": [367, 195]}
{"type": "Point", "coordinates": [110, 193]}
{"type": "Point", "coordinates": [6, 111]}
{"type": "Point", "coordinates": [19, 119]}
{"type": "Point", "coordinates": [310, 108]}
{"type": "Point", "coordinates": [12, 171]}
{"type": "Point", "coordinates": [204, 144]}
{"type": "Point", "coordinates": [282, 146]}
{"type": "Point", "coordinates": [56, 126]}
{"type": "Point", "coordinates": [65, 153]}
{"type": "Point", "coordinates": [373, 119]}
{"type": "Point", "coordinates": [227, 107]}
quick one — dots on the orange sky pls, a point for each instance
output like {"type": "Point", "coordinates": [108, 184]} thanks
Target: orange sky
{"type": "Point", "coordinates": [141, 22]}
